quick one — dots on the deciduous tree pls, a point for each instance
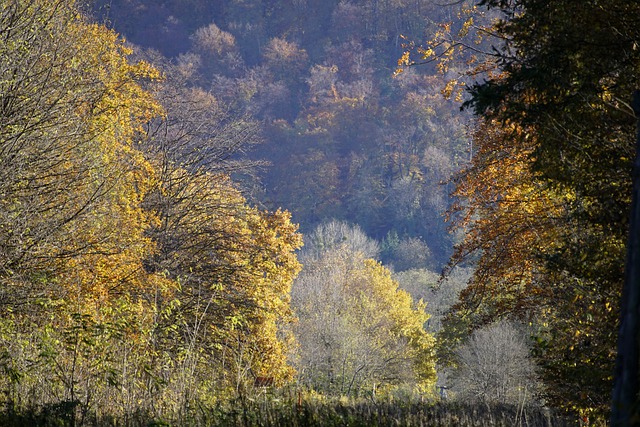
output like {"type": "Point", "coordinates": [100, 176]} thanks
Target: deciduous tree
{"type": "Point", "coordinates": [564, 74]}
{"type": "Point", "coordinates": [357, 331]}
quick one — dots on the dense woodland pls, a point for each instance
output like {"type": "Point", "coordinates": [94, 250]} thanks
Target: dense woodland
{"type": "Point", "coordinates": [344, 139]}
{"type": "Point", "coordinates": [208, 203]}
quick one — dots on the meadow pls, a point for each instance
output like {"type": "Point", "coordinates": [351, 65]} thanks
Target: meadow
{"type": "Point", "coordinates": [294, 411]}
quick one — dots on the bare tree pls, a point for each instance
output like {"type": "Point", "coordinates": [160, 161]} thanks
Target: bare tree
{"type": "Point", "coordinates": [335, 234]}
{"type": "Point", "coordinates": [494, 366]}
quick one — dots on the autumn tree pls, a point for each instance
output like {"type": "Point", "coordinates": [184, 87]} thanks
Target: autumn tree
{"type": "Point", "coordinates": [137, 276]}
{"type": "Point", "coordinates": [557, 100]}
{"type": "Point", "coordinates": [357, 331]}
{"type": "Point", "coordinates": [515, 224]}
{"type": "Point", "coordinates": [338, 234]}
{"type": "Point", "coordinates": [234, 263]}
{"type": "Point", "coordinates": [73, 239]}
{"type": "Point", "coordinates": [217, 50]}
{"type": "Point", "coordinates": [68, 124]}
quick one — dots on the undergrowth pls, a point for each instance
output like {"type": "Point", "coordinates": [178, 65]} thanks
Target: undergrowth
{"type": "Point", "coordinates": [295, 411]}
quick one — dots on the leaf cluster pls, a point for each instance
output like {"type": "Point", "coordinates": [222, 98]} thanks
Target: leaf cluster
{"type": "Point", "coordinates": [546, 197]}
{"type": "Point", "coordinates": [135, 275]}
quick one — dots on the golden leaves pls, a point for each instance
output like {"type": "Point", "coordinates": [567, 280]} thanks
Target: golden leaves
{"type": "Point", "coordinates": [144, 268]}
{"type": "Point", "coordinates": [509, 221]}
{"type": "Point", "coordinates": [355, 319]}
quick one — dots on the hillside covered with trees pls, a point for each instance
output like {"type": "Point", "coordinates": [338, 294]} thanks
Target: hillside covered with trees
{"type": "Point", "coordinates": [208, 206]}
{"type": "Point", "coordinates": [344, 138]}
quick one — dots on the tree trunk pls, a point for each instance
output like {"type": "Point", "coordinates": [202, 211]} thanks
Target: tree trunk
{"type": "Point", "coordinates": [624, 407]}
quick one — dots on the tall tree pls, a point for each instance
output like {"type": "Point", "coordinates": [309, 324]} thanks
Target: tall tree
{"type": "Point", "coordinates": [70, 109]}
{"type": "Point", "coordinates": [565, 73]}
{"type": "Point", "coordinates": [73, 229]}
{"type": "Point", "coordinates": [234, 263]}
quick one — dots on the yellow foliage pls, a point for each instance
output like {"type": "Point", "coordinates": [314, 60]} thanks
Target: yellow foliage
{"type": "Point", "coordinates": [357, 329]}
{"type": "Point", "coordinates": [115, 223]}
{"type": "Point", "coordinates": [235, 265]}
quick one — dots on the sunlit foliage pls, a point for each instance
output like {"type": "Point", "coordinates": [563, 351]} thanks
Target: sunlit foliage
{"type": "Point", "coordinates": [359, 334]}
{"type": "Point", "coordinates": [132, 283]}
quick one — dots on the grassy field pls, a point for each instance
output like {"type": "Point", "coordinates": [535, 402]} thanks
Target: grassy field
{"type": "Point", "coordinates": [384, 414]}
{"type": "Point", "coordinates": [286, 412]}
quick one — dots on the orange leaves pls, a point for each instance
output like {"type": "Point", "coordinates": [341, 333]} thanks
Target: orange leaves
{"type": "Point", "coordinates": [510, 221]}
{"type": "Point", "coordinates": [529, 256]}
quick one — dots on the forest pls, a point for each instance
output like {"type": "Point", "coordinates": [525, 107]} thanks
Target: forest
{"type": "Point", "coordinates": [314, 212]}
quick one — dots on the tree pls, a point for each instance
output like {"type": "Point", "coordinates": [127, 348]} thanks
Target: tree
{"type": "Point", "coordinates": [72, 180]}
{"type": "Point", "coordinates": [217, 49]}
{"type": "Point", "coordinates": [137, 278]}
{"type": "Point", "coordinates": [494, 366]}
{"type": "Point", "coordinates": [70, 110]}
{"type": "Point", "coordinates": [557, 97]}
{"type": "Point", "coordinates": [337, 234]}
{"type": "Point", "coordinates": [439, 293]}
{"type": "Point", "coordinates": [234, 263]}
{"type": "Point", "coordinates": [357, 332]}
{"type": "Point", "coordinates": [516, 224]}
{"type": "Point", "coordinates": [73, 228]}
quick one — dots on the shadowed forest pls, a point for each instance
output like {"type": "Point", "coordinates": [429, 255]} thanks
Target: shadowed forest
{"type": "Point", "coordinates": [313, 212]}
